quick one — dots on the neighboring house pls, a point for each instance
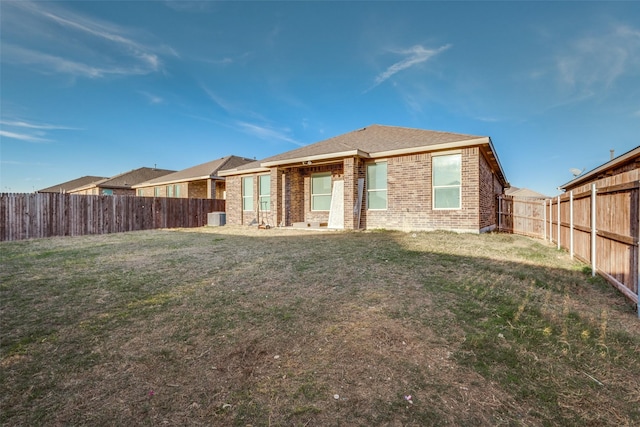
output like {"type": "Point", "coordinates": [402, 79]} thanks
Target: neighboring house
{"type": "Point", "coordinates": [201, 181]}
{"type": "Point", "coordinates": [70, 185]}
{"type": "Point", "coordinates": [120, 185]}
{"type": "Point", "coordinates": [375, 177]}
{"type": "Point", "coordinates": [524, 193]}
{"type": "Point", "coordinates": [620, 170]}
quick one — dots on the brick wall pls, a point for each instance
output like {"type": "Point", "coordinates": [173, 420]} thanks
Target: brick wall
{"type": "Point", "coordinates": [410, 201]}
{"type": "Point", "coordinates": [409, 195]}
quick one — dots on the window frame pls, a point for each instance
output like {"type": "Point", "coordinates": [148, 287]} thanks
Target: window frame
{"type": "Point", "coordinates": [314, 195]}
{"type": "Point", "coordinates": [376, 190]}
{"type": "Point", "coordinates": [435, 187]}
{"type": "Point", "coordinates": [262, 196]}
{"type": "Point", "coordinates": [247, 199]}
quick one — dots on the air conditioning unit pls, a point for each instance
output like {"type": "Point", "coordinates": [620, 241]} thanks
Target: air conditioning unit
{"type": "Point", "coordinates": [216, 219]}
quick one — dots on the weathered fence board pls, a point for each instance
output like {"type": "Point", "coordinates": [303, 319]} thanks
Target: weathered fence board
{"type": "Point", "coordinates": [611, 247]}
{"type": "Point", "coordinates": [36, 215]}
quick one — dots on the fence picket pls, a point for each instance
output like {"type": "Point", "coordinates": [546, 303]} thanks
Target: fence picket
{"type": "Point", "coordinates": [24, 216]}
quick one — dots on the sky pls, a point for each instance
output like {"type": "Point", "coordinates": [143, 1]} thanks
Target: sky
{"type": "Point", "coordinates": [104, 87]}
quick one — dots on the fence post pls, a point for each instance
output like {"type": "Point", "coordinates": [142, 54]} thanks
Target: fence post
{"type": "Point", "coordinates": [550, 220]}
{"type": "Point", "coordinates": [638, 259]}
{"type": "Point", "coordinates": [544, 220]}
{"type": "Point", "coordinates": [558, 222]}
{"type": "Point", "coordinates": [593, 230]}
{"type": "Point", "coordinates": [571, 223]}
{"type": "Point", "coordinates": [499, 213]}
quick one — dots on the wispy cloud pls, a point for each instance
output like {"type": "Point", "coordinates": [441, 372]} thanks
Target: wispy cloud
{"type": "Point", "coordinates": [594, 63]}
{"type": "Point", "coordinates": [23, 137]}
{"type": "Point", "coordinates": [153, 99]}
{"type": "Point", "coordinates": [70, 43]}
{"type": "Point", "coordinates": [413, 56]}
{"type": "Point", "coordinates": [23, 124]}
{"type": "Point", "coordinates": [267, 133]}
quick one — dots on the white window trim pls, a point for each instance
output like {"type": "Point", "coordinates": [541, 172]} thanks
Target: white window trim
{"type": "Point", "coordinates": [386, 189]}
{"type": "Point", "coordinates": [250, 196]}
{"type": "Point", "coordinates": [433, 187]}
{"type": "Point", "coordinates": [321, 194]}
{"type": "Point", "coordinates": [261, 196]}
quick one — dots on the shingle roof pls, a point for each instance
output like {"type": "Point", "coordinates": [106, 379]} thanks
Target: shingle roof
{"type": "Point", "coordinates": [376, 141]}
{"type": "Point", "coordinates": [74, 183]}
{"type": "Point", "coordinates": [524, 193]}
{"type": "Point", "coordinates": [131, 178]}
{"type": "Point", "coordinates": [630, 156]}
{"type": "Point", "coordinates": [202, 171]}
{"type": "Point", "coordinates": [373, 139]}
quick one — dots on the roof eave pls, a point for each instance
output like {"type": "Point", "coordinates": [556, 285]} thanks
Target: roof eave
{"type": "Point", "coordinates": [610, 164]}
{"type": "Point", "coordinates": [175, 181]}
{"type": "Point", "coordinates": [315, 158]}
{"type": "Point", "coordinates": [232, 172]}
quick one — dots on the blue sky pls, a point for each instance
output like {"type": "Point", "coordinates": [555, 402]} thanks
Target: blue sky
{"type": "Point", "coordinates": [101, 88]}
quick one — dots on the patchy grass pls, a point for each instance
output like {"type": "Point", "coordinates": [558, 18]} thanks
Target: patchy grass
{"type": "Point", "coordinates": [237, 326]}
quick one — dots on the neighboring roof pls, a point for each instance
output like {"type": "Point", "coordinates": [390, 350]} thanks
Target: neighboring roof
{"type": "Point", "coordinates": [70, 185]}
{"type": "Point", "coordinates": [524, 193]}
{"type": "Point", "coordinates": [203, 171]}
{"type": "Point", "coordinates": [631, 156]}
{"type": "Point", "coordinates": [377, 141]}
{"type": "Point", "coordinates": [128, 179]}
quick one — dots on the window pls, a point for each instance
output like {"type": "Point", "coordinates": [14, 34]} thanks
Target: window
{"type": "Point", "coordinates": [176, 190]}
{"type": "Point", "coordinates": [247, 193]}
{"type": "Point", "coordinates": [169, 190]}
{"type": "Point", "coordinates": [377, 185]}
{"type": "Point", "coordinates": [264, 187]}
{"type": "Point", "coordinates": [320, 192]}
{"type": "Point", "coordinates": [140, 192]}
{"type": "Point", "coordinates": [107, 192]}
{"type": "Point", "coordinates": [157, 191]}
{"type": "Point", "coordinates": [447, 178]}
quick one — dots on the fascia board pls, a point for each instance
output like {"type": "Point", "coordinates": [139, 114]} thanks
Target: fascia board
{"type": "Point", "coordinates": [318, 157]}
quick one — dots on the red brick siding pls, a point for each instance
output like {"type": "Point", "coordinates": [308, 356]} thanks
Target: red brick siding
{"type": "Point", "coordinates": [490, 188]}
{"type": "Point", "coordinates": [409, 196]}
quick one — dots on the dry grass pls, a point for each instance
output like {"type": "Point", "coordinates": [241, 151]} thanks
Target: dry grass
{"type": "Point", "coordinates": [238, 326]}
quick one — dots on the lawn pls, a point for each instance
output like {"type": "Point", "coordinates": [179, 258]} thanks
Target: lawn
{"type": "Point", "coordinates": [237, 326]}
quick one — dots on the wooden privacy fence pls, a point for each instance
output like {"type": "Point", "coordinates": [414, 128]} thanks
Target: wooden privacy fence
{"type": "Point", "coordinates": [599, 225]}
{"type": "Point", "coordinates": [26, 216]}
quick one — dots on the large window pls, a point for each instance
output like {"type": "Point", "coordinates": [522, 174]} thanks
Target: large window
{"type": "Point", "coordinates": [377, 185]}
{"type": "Point", "coordinates": [264, 187]}
{"type": "Point", "coordinates": [247, 193]}
{"type": "Point", "coordinates": [447, 178]}
{"type": "Point", "coordinates": [321, 192]}
{"type": "Point", "coordinates": [157, 191]}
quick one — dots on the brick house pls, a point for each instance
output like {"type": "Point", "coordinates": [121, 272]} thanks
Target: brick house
{"type": "Point", "coordinates": [122, 184]}
{"type": "Point", "coordinates": [376, 177]}
{"type": "Point", "coordinates": [197, 182]}
{"type": "Point", "coordinates": [74, 183]}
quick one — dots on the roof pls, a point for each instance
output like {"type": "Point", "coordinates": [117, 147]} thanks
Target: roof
{"type": "Point", "coordinates": [128, 179]}
{"type": "Point", "coordinates": [70, 185]}
{"type": "Point", "coordinates": [630, 156]}
{"type": "Point", "coordinates": [524, 193]}
{"type": "Point", "coordinates": [203, 171]}
{"type": "Point", "coordinates": [377, 141]}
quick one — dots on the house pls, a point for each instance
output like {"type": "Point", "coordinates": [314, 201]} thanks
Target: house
{"type": "Point", "coordinates": [375, 177]}
{"type": "Point", "coordinates": [201, 181]}
{"type": "Point", "coordinates": [70, 185]}
{"type": "Point", "coordinates": [120, 185]}
{"type": "Point", "coordinates": [619, 170]}
{"type": "Point", "coordinates": [524, 193]}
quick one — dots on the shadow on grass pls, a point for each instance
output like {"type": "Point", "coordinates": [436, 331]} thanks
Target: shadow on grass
{"type": "Point", "coordinates": [267, 328]}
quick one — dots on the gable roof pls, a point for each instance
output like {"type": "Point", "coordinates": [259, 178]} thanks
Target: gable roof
{"type": "Point", "coordinates": [74, 183]}
{"type": "Point", "coordinates": [202, 171]}
{"type": "Point", "coordinates": [377, 141]}
{"type": "Point", "coordinates": [524, 193]}
{"type": "Point", "coordinates": [127, 179]}
{"type": "Point", "coordinates": [631, 156]}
